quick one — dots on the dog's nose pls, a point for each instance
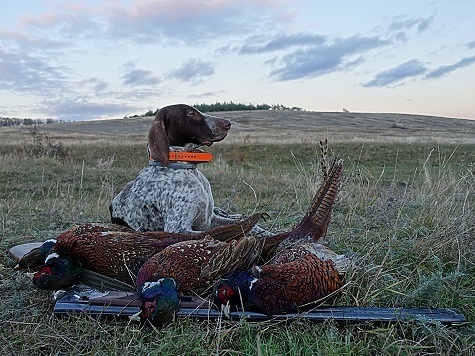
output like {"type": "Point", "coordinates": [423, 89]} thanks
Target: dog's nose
{"type": "Point", "coordinates": [226, 124]}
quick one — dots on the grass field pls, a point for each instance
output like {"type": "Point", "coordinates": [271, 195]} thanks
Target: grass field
{"type": "Point", "coordinates": [405, 213]}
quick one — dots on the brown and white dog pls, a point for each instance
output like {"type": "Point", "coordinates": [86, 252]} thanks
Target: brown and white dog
{"type": "Point", "coordinates": [167, 196]}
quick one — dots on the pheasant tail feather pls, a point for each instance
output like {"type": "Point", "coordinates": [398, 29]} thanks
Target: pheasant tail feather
{"type": "Point", "coordinates": [317, 219]}
{"type": "Point", "coordinates": [319, 212]}
{"type": "Point", "coordinates": [323, 158]}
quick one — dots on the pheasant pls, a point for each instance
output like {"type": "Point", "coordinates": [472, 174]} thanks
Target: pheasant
{"type": "Point", "coordinates": [194, 266]}
{"type": "Point", "coordinates": [117, 254]}
{"type": "Point", "coordinates": [188, 267]}
{"type": "Point", "coordinates": [37, 256]}
{"type": "Point", "coordinates": [57, 273]}
{"type": "Point", "coordinates": [302, 271]}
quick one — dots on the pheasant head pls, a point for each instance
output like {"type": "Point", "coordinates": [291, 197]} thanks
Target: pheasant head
{"type": "Point", "coordinates": [57, 272]}
{"type": "Point", "coordinates": [234, 290]}
{"type": "Point", "coordinates": [159, 301]}
{"type": "Point", "coordinates": [36, 256]}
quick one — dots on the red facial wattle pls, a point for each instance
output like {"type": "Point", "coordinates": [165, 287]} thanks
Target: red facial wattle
{"type": "Point", "coordinates": [45, 271]}
{"type": "Point", "coordinates": [225, 293]}
{"type": "Point", "coordinates": [148, 309]}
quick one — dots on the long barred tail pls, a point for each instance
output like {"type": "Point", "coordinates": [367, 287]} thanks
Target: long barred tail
{"type": "Point", "coordinates": [316, 220]}
{"type": "Point", "coordinates": [319, 212]}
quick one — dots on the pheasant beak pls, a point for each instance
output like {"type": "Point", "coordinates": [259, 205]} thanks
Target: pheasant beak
{"type": "Point", "coordinates": [226, 309]}
{"type": "Point", "coordinates": [136, 316]}
{"type": "Point", "coordinates": [30, 275]}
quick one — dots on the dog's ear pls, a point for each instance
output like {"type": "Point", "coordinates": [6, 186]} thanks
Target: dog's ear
{"type": "Point", "coordinates": [158, 142]}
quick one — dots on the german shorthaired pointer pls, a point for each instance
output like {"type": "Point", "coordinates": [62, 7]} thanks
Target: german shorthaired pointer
{"type": "Point", "coordinates": [169, 196]}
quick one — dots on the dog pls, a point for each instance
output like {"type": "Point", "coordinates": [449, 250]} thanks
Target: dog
{"type": "Point", "coordinates": [173, 197]}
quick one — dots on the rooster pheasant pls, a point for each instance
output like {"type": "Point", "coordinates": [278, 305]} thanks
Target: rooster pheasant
{"type": "Point", "coordinates": [117, 254]}
{"type": "Point", "coordinates": [37, 256]}
{"type": "Point", "coordinates": [186, 267]}
{"type": "Point", "coordinates": [194, 266]}
{"type": "Point", "coordinates": [301, 271]}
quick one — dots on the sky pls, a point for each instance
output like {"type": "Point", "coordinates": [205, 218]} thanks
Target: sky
{"type": "Point", "coordinates": [82, 60]}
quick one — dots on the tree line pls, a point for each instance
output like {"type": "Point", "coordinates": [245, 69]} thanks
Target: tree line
{"type": "Point", "coordinates": [231, 106]}
{"type": "Point", "coordinates": [8, 121]}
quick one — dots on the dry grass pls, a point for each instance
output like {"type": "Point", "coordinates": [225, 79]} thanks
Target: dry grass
{"type": "Point", "coordinates": [405, 212]}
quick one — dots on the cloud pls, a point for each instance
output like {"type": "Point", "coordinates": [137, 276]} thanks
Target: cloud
{"type": "Point", "coordinates": [471, 45]}
{"type": "Point", "coordinates": [313, 61]}
{"type": "Point", "coordinates": [151, 22]}
{"type": "Point", "coordinates": [400, 26]}
{"type": "Point", "coordinates": [420, 24]}
{"type": "Point", "coordinates": [80, 109]}
{"type": "Point", "coordinates": [196, 21]}
{"type": "Point", "coordinates": [46, 19]}
{"type": "Point", "coordinates": [395, 75]}
{"type": "Point", "coordinates": [281, 42]}
{"type": "Point", "coordinates": [69, 21]}
{"type": "Point", "coordinates": [194, 70]}
{"type": "Point", "coordinates": [308, 55]}
{"type": "Point", "coordinates": [137, 77]}
{"type": "Point", "coordinates": [86, 106]}
{"type": "Point", "coordinates": [446, 69]}
{"type": "Point", "coordinates": [30, 42]}
{"type": "Point", "coordinates": [32, 74]}
{"type": "Point", "coordinates": [148, 94]}
{"type": "Point", "coordinates": [207, 95]}
{"type": "Point", "coordinates": [96, 84]}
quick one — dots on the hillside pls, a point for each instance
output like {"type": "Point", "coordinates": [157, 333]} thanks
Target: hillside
{"type": "Point", "coordinates": [282, 126]}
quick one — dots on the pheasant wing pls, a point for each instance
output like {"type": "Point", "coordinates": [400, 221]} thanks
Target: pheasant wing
{"type": "Point", "coordinates": [235, 255]}
{"type": "Point", "coordinates": [236, 230]}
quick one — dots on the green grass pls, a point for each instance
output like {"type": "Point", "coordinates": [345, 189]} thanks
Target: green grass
{"type": "Point", "coordinates": [405, 213]}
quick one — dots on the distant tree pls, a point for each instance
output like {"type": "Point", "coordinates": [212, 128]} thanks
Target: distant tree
{"type": "Point", "coordinates": [280, 107]}
{"type": "Point", "coordinates": [7, 121]}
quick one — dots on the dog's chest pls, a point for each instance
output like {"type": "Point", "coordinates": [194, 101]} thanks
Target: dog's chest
{"type": "Point", "coordinates": [172, 182]}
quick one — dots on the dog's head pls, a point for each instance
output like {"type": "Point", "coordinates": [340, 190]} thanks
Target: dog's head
{"type": "Point", "coordinates": [180, 125]}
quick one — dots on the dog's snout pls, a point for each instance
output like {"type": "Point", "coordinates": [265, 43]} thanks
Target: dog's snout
{"type": "Point", "coordinates": [226, 123]}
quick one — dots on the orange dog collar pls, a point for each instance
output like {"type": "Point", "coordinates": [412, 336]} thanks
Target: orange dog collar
{"type": "Point", "coordinates": [195, 157]}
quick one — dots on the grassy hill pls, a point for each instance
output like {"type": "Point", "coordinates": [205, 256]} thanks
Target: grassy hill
{"type": "Point", "coordinates": [286, 127]}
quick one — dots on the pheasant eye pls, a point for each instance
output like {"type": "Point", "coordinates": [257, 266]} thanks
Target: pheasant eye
{"type": "Point", "coordinates": [148, 309]}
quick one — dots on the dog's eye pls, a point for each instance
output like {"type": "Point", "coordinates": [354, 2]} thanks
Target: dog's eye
{"type": "Point", "coordinates": [193, 115]}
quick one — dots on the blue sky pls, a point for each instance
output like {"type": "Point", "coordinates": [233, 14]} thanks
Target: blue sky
{"type": "Point", "coordinates": [78, 60]}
